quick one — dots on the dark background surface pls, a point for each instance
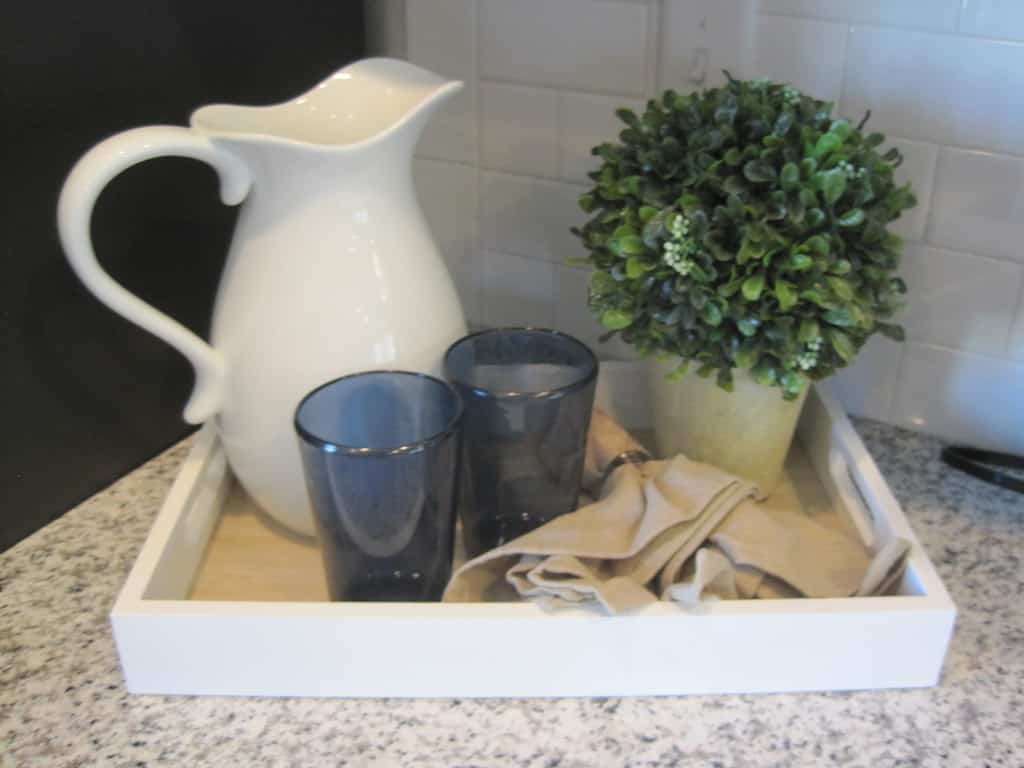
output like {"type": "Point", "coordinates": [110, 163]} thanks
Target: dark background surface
{"type": "Point", "coordinates": [86, 396]}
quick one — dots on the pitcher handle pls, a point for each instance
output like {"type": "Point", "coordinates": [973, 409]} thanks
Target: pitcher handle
{"type": "Point", "coordinates": [74, 213]}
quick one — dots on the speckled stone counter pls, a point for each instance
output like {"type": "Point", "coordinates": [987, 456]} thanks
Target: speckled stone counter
{"type": "Point", "coordinates": [62, 702]}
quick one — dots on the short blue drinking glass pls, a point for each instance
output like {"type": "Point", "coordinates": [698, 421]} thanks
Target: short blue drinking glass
{"type": "Point", "coordinates": [381, 455]}
{"type": "Point", "coordinates": [528, 395]}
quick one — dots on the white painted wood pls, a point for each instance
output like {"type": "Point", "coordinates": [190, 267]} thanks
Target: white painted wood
{"type": "Point", "coordinates": [172, 645]}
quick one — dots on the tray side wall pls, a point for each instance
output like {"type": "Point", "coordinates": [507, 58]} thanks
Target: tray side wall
{"type": "Point", "coordinates": [538, 657]}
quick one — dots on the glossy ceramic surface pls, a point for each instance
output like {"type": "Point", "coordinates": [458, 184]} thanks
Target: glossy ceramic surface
{"type": "Point", "coordinates": [331, 270]}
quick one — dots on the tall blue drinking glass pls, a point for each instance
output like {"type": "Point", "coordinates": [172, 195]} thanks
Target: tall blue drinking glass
{"type": "Point", "coordinates": [380, 451]}
{"type": "Point", "coordinates": [528, 395]}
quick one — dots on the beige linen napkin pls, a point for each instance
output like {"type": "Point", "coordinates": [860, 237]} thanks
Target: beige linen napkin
{"type": "Point", "coordinates": [690, 530]}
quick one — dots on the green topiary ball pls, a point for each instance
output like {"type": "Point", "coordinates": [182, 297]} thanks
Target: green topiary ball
{"type": "Point", "coordinates": [744, 227]}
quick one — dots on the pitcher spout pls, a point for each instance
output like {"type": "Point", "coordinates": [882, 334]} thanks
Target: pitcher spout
{"type": "Point", "coordinates": [365, 103]}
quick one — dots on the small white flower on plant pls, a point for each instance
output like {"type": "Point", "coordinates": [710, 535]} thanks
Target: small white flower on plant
{"type": "Point", "coordinates": [851, 171]}
{"type": "Point", "coordinates": [809, 357]}
{"type": "Point", "coordinates": [680, 247]}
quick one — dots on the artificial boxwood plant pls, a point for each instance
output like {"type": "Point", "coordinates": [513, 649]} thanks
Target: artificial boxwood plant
{"type": "Point", "coordinates": [745, 227]}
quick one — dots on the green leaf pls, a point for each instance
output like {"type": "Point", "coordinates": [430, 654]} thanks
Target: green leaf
{"type": "Point", "coordinates": [783, 123]}
{"type": "Point", "coordinates": [759, 172]}
{"type": "Point", "coordinates": [636, 267]}
{"type": "Point", "coordinates": [627, 116]}
{"type": "Point", "coordinates": [840, 287]}
{"type": "Point", "coordinates": [809, 330]}
{"type": "Point", "coordinates": [800, 261]}
{"type": "Point", "coordinates": [735, 207]}
{"type": "Point", "coordinates": [602, 284]}
{"type": "Point", "coordinates": [852, 218]}
{"type": "Point", "coordinates": [841, 317]}
{"type": "Point", "coordinates": [748, 325]}
{"type": "Point", "coordinates": [654, 230]}
{"type": "Point", "coordinates": [828, 142]}
{"type": "Point", "coordinates": [616, 319]}
{"type": "Point", "coordinates": [733, 157]}
{"type": "Point", "coordinates": [724, 379]}
{"type": "Point", "coordinates": [894, 332]}
{"type": "Point", "coordinates": [764, 373]}
{"type": "Point", "coordinates": [689, 202]}
{"type": "Point", "coordinates": [818, 244]}
{"type": "Point", "coordinates": [817, 297]}
{"type": "Point", "coordinates": [841, 128]}
{"type": "Point", "coordinates": [874, 140]}
{"type": "Point", "coordinates": [833, 184]}
{"type": "Point", "coordinates": [731, 288]}
{"type": "Point", "coordinates": [792, 383]}
{"type": "Point", "coordinates": [679, 371]}
{"type": "Point", "coordinates": [842, 345]}
{"type": "Point", "coordinates": [841, 267]}
{"type": "Point", "coordinates": [646, 213]}
{"type": "Point", "coordinates": [734, 185]}
{"type": "Point", "coordinates": [815, 218]}
{"type": "Point", "coordinates": [749, 250]}
{"type": "Point", "coordinates": [753, 286]}
{"type": "Point", "coordinates": [748, 354]}
{"type": "Point", "coordinates": [786, 293]}
{"type": "Point", "coordinates": [711, 314]}
{"type": "Point", "coordinates": [627, 245]}
{"type": "Point", "coordinates": [790, 176]}
{"type": "Point", "coordinates": [630, 185]}
{"type": "Point", "coordinates": [587, 202]}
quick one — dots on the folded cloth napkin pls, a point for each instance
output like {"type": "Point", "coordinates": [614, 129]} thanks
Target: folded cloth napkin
{"type": "Point", "coordinates": [689, 530]}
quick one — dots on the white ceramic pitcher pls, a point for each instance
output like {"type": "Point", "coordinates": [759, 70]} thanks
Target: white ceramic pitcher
{"type": "Point", "coordinates": [331, 270]}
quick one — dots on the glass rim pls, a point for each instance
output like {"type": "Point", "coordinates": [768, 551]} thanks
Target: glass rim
{"type": "Point", "coordinates": [585, 379]}
{"type": "Point", "coordinates": [332, 446]}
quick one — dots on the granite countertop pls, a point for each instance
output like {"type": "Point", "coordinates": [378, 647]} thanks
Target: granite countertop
{"type": "Point", "coordinates": [62, 702]}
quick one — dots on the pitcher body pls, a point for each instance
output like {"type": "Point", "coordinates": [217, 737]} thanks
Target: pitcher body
{"type": "Point", "coordinates": [331, 269]}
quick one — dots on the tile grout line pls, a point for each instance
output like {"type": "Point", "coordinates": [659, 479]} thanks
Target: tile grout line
{"type": "Point", "coordinates": [844, 74]}
{"type": "Point", "coordinates": [476, 265]}
{"type": "Point", "coordinates": [652, 55]}
{"type": "Point", "coordinates": [1015, 317]}
{"type": "Point", "coordinates": [563, 87]}
{"type": "Point", "coordinates": [969, 353]}
{"type": "Point", "coordinates": [956, 32]}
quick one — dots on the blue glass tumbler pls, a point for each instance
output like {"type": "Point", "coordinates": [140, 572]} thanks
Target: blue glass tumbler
{"type": "Point", "coordinates": [528, 395]}
{"type": "Point", "coordinates": [380, 451]}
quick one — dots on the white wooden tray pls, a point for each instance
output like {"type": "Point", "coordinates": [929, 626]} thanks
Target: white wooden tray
{"type": "Point", "coordinates": [222, 602]}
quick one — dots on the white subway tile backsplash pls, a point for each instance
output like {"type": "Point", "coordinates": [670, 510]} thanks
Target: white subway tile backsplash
{"type": "Point", "coordinates": [588, 44]}
{"type": "Point", "coordinates": [919, 169]}
{"type": "Point", "coordinates": [993, 18]}
{"type": "Point", "coordinates": [804, 52]}
{"type": "Point", "coordinates": [519, 128]}
{"type": "Point", "coordinates": [588, 120]}
{"type": "Point", "coordinates": [700, 38]}
{"type": "Point", "coordinates": [448, 196]}
{"type": "Point", "coordinates": [942, 88]}
{"type": "Point", "coordinates": [939, 15]}
{"type": "Point", "coordinates": [978, 203]}
{"type": "Point", "coordinates": [573, 316]}
{"type": "Point", "coordinates": [529, 216]}
{"type": "Point", "coordinates": [963, 397]}
{"type": "Point", "coordinates": [515, 290]}
{"type": "Point", "coordinates": [441, 37]}
{"type": "Point", "coordinates": [959, 300]}
{"type": "Point", "coordinates": [866, 387]}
